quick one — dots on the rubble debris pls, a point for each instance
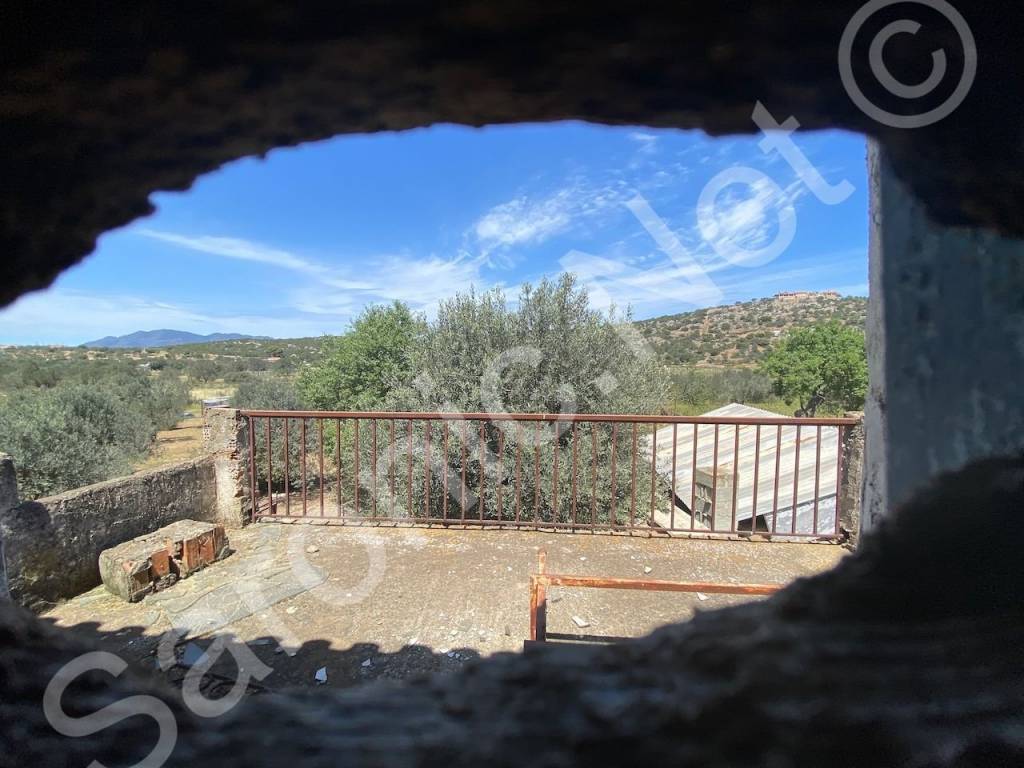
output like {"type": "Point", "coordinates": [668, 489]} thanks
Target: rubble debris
{"type": "Point", "coordinates": [581, 623]}
{"type": "Point", "coordinates": [156, 561]}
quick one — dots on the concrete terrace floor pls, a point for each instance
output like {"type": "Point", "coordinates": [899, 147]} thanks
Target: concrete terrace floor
{"type": "Point", "coordinates": [368, 602]}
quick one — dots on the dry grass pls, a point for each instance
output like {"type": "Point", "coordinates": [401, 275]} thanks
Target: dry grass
{"type": "Point", "coordinates": [184, 441]}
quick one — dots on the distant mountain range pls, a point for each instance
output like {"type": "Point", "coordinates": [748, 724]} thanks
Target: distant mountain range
{"type": "Point", "coordinates": [163, 338]}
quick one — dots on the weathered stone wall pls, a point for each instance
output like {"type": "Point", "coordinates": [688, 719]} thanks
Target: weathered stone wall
{"type": "Point", "coordinates": [52, 545]}
{"type": "Point", "coordinates": [851, 484]}
{"type": "Point", "coordinates": [946, 346]}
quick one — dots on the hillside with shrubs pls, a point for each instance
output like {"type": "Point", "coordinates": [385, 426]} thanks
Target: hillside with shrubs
{"type": "Point", "coordinates": [739, 335]}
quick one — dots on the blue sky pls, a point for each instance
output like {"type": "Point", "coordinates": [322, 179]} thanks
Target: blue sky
{"type": "Point", "coordinates": [297, 243]}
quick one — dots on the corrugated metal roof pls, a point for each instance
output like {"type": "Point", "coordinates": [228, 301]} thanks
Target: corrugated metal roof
{"type": "Point", "coordinates": [774, 440]}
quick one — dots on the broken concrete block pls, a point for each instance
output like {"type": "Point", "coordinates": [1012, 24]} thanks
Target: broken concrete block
{"type": "Point", "coordinates": [157, 560]}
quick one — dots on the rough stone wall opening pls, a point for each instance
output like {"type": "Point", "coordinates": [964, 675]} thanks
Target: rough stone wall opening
{"type": "Point", "coordinates": [153, 96]}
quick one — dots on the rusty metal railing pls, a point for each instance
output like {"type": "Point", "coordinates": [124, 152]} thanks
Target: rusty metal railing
{"type": "Point", "coordinates": [674, 474]}
{"type": "Point", "coordinates": [541, 580]}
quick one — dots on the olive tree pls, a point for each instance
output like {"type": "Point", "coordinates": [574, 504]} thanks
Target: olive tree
{"type": "Point", "coordinates": [824, 365]}
{"type": "Point", "coordinates": [548, 353]}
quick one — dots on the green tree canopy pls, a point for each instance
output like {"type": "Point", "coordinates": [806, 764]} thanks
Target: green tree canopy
{"type": "Point", "coordinates": [358, 370]}
{"type": "Point", "coordinates": [824, 365]}
{"type": "Point", "coordinates": [548, 353]}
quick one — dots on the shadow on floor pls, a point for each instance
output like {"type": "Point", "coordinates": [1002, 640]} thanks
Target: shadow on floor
{"type": "Point", "coordinates": [268, 665]}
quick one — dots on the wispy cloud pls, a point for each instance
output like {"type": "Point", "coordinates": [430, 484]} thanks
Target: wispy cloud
{"type": "Point", "coordinates": [248, 250]}
{"type": "Point", "coordinates": [529, 220]}
{"type": "Point", "coordinates": [747, 221]}
{"type": "Point", "coordinates": [342, 290]}
{"type": "Point", "coordinates": [648, 142]}
{"type": "Point", "coordinates": [523, 221]}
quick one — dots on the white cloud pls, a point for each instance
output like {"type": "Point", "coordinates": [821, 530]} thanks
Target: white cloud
{"type": "Point", "coordinates": [648, 141]}
{"type": "Point", "coordinates": [522, 221]}
{"type": "Point", "coordinates": [526, 220]}
{"type": "Point", "coordinates": [748, 221]}
{"type": "Point", "coordinates": [340, 291]}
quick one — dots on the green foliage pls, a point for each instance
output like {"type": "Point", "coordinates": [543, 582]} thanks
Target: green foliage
{"type": "Point", "coordinates": [821, 366]}
{"type": "Point", "coordinates": [74, 433]}
{"type": "Point", "coordinates": [550, 353]}
{"type": "Point", "coordinates": [724, 335]}
{"type": "Point", "coordinates": [358, 370]}
{"type": "Point", "coordinates": [275, 394]}
{"type": "Point", "coordinates": [695, 387]}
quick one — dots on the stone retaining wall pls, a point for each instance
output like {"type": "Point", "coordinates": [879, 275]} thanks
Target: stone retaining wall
{"type": "Point", "coordinates": [52, 545]}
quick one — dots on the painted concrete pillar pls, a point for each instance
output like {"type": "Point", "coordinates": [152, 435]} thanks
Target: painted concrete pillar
{"type": "Point", "coordinates": [945, 346]}
{"type": "Point", "coordinates": [226, 437]}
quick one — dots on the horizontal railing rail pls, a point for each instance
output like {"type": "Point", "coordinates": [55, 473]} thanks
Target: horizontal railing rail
{"type": "Point", "coordinates": [541, 580]}
{"type": "Point", "coordinates": [563, 417]}
{"type": "Point", "coordinates": [697, 475]}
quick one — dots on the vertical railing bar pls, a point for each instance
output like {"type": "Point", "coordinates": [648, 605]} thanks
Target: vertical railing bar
{"type": "Point", "coordinates": [796, 482]}
{"type": "Point", "coordinates": [575, 469]}
{"type": "Point", "coordinates": [444, 476]}
{"type": "Point", "coordinates": [593, 473]}
{"type": "Point", "coordinates": [817, 476]}
{"type": "Point", "coordinates": [735, 478]}
{"type": "Point", "coordinates": [392, 469]}
{"type": "Point", "coordinates": [693, 482]}
{"type": "Point", "coordinates": [463, 449]}
{"type": "Point", "coordinates": [373, 467]}
{"type": "Point", "coordinates": [500, 474]}
{"type": "Point", "coordinates": [428, 428]}
{"type": "Point", "coordinates": [714, 481]}
{"type": "Point", "coordinates": [757, 476]}
{"type": "Point", "coordinates": [632, 480]}
{"type": "Point", "coordinates": [654, 467]}
{"type": "Point", "coordinates": [536, 471]}
{"type": "Point", "coordinates": [613, 520]}
{"type": "Point", "coordinates": [778, 477]}
{"type": "Point", "coordinates": [337, 457]}
{"type": "Point", "coordinates": [839, 475]}
{"type": "Point", "coordinates": [287, 470]}
{"type": "Point", "coordinates": [320, 435]}
{"type": "Point", "coordinates": [303, 464]}
{"type": "Point", "coordinates": [254, 509]}
{"type": "Point", "coordinates": [408, 455]}
{"type": "Point", "coordinates": [519, 456]}
{"type": "Point", "coordinates": [675, 447]}
{"type": "Point", "coordinates": [355, 476]}
{"type": "Point", "coordinates": [483, 471]}
{"type": "Point", "coordinates": [554, 474]}
{"type": "Point", "coordinates": [270, 466]}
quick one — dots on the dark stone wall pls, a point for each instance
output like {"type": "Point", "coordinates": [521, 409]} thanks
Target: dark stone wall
{"type": "Point", "coordinates": [102, 105]}
{"type": "Point", "coordinates": [946, 346]}
{"type": "Point", "coordinates": [52, 545]}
